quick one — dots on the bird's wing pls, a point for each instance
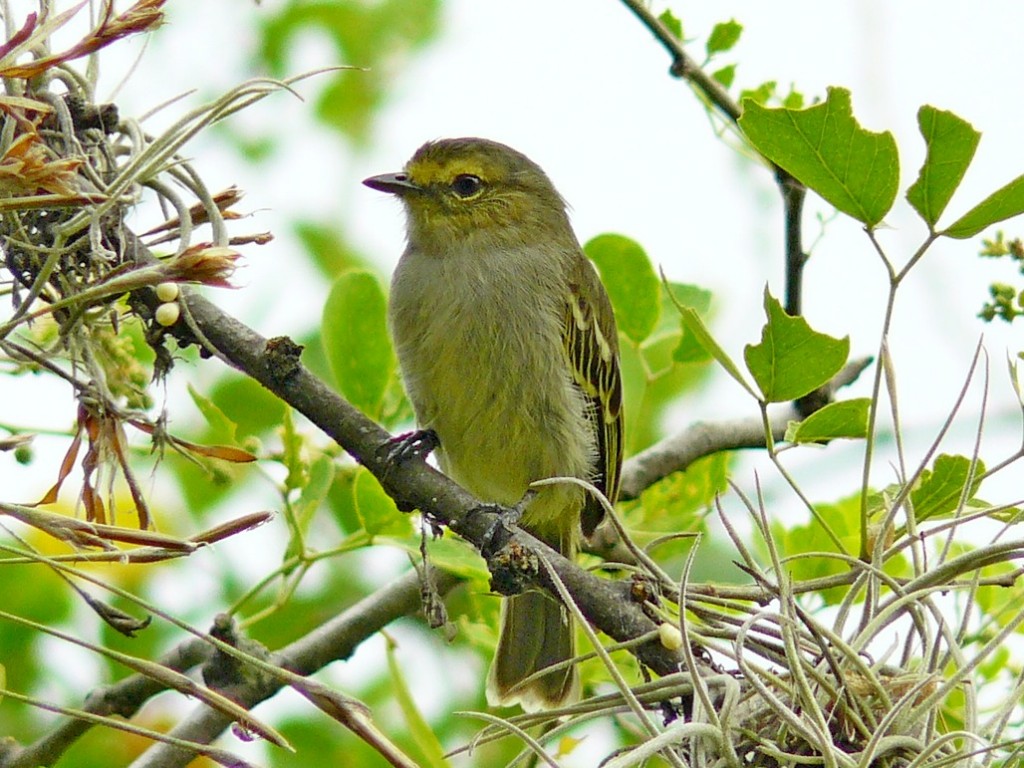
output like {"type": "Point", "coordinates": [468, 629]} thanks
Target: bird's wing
{"type": "Point", "coordinates": [592, 346]}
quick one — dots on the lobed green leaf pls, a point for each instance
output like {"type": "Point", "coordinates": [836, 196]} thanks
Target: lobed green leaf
{"type": "Point", "coordinates": [825, 148]}
{"type": "Point", "coordinates": [951, 142]}
{"type": "Point", "coordinates": [792, 359]}
{"type": "Point", "coordinates": [940, 489]}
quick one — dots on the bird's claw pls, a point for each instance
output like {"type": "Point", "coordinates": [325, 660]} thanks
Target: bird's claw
{"type": "Point", "coordinates": [505, 522]}
{"type": "Point", "coordinates": [417, 444]}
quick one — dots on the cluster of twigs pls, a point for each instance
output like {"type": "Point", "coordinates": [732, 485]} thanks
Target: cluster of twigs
{"type": "Point", "coordinates": [70, 172]}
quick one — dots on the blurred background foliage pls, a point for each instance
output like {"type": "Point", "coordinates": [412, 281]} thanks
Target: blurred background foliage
{"type": "Point", "coordinates": [337, 536]}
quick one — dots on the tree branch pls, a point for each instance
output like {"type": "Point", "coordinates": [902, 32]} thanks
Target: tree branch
{"type": "Point", "coordinates": [336, 640]}
{"type": "Point", "coordinates": [124, 698]}
{"type": "Point", "coordinates": [414, 483]}
{"type": "Point", "coordinates": [274, 363]}
{"type": "Point", "coordinates": [676, 452]}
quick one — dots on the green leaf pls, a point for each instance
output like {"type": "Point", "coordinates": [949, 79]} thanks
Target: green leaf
{"type": "Point", "coordinates": [327, 247]}
{"type": "Point", "coordinates": [761, 94]}
{"type": "Point", "coordinates": [431, 753]}
{"type": "Point", "coordinates": [314, 493]}
{"type": "Point", "coordinates": [825, 148]}
{"type": "Point", "coordinates": [723, 37]}
{"type": "Point", "coordinates": [688, 494]}
{"type": "Point", "coordinates": [318, 484]}
{"type": "Point", "coordinates": [292, 455]}
{"type": "Point", "coordinates": [221, 428]}
{"type": "Point", "coordinates": [847, 418]}
{"type": "Point", "coordinates": [843, 518]}
{"type": "Point", "coordinates": [1005, 203]}
{"type": "Point", "coordinates": [951, 144]}
{"type": "Point", "coordinates": [793, 100]}
{"type": "Point", "coordinates": [631, 282]}
{"type": "Point", "coordinates": [689, 349]}
{"type": "Point", "coordinates": [381, 37]}
{"type": "Point", "coordinates": [725, 75]}
{"type": "Point", "coordinates": [376, 510]}
{"type": "Point", "coordinates": [702, 337]}
{"type": "Point", "coordinates": [452, 555]}
{"type": "Point", "coordinates": [689, 295]}
{"type": "Point", "coordinates": [355, 339]}
{"type": "Point", "coordinates": [672, 24]}
{"type": "Point", "coordinates": [252, 408]}
{"type": "Point", "coordinates": [939, 489]}
{"type": "Point", "coordinates": [792, 358]}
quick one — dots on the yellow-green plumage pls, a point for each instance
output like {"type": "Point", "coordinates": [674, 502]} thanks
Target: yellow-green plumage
{"type": "Point", "coordinates": [508, 349]}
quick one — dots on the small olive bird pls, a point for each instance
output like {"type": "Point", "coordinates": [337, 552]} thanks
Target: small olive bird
{"type": "Point", "coordinates": [508, 349]}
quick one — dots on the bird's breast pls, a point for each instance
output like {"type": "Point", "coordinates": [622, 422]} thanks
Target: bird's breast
{"type": "Point", "coordinates": [481, 352]}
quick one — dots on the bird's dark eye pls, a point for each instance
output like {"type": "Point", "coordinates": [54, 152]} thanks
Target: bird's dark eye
{"type": "Point", "coordinates": [467, 185]}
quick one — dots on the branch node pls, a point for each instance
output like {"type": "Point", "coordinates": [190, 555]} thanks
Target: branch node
{"type": "Point", "coordinates": [513, 569]}
{"type": "Point", "coordinates": [282, 358]}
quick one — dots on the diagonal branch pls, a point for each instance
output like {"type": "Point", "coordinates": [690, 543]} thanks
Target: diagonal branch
{"type": "Point", "coordinates": [274, 363]}
{"type": "Point", "coordinates": [414, 484]}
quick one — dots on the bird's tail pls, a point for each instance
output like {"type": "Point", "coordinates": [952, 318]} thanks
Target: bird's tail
{"type": "Point", "coordinates": [536, 632]}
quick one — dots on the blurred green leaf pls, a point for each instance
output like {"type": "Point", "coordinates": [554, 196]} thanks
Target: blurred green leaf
{"type": "Point", "coordinates": [355, 338]}
{"type": "Point", "coordinates": [825, 148]}
{"type": "Point", "coordinates": [1005, 203]}
{"type": "Point", "coordinates": [951, 142]}
{"type": "Point", "coordinates": [792, 359]}
{"type": "Point", "coordinates": [843, 419]}
{"type": "Point", "coordinates": [376, 510]}
{"type": "Point", "coordinates": [760, 94]}
{"type": "Point", "coordinates": [723, 37]}
{"type": "Point", "coordinates": [693, 296]}
{"type": "Point", "coordinates": [451, 554]}
{"type": "Point", "coordinates": [291, 453]}
{"type": "Point", "coordinates": [341, 499]}
{"type": "Point", "coordinates": [314, 493]}
{"type": "Point", "coordinates": [702, 337]}
{"type": "Point", "coordinates": [631, 282]}
{"type": "Point", "coordinates": [939, 490]}
{"type": "Point", "coordinates": [23, 595]}
{"type": "Point", "coordinates": [672, 23]}
{"type": "Point", "coordinates": [690, 349]}
{"type": "Point", "coordinates": [843, 518]}
{"type": "Point", "coordinates": [248, 404]}
{"type": "Point", "coordinates": [328, 248]}
{"type": "Point", "coordinates": [318, 480]}
{"type": "Point", "coordinates": [679, 502]}
{"type": "Point", "coordinates": [431, 753]}
{"type": "Point", "coordinates": [653, 380]}
{"type": "Point", "coordinates": [376, 37]}
{"type": "Point", "coordinates": [221, 428]}
{"type": "Point", "coordinates": [793, 100]}
{"type": "Point", "coordinates": [725, 75]}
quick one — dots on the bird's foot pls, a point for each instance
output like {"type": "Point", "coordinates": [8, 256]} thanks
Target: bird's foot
{"type": "Point", "coordinates": [417, 444]}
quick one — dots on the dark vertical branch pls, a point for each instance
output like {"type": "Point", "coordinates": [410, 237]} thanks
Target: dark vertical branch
{"type": "Point", "coordinates": [793, 195]}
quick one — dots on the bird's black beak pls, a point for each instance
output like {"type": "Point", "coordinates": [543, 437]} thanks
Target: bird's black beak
{"type": "Point", "coordinates": [393, 183]}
